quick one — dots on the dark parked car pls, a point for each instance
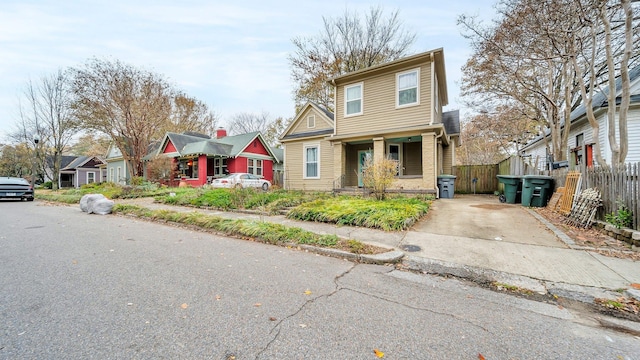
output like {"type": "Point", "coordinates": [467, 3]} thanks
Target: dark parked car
{"type": "Point", "coordinates": [15, 188]}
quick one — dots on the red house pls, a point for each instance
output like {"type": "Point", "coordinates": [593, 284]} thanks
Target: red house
{"type": "Point", "coordinates": [200, 159]}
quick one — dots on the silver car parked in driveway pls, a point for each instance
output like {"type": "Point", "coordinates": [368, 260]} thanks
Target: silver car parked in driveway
{"type": "Point", "coordinates": [241, 180]}
{"type": "Point", "coordinates": [15, 188]}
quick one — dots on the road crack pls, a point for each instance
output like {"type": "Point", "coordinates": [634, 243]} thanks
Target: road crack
{"type": "Point", "coordinates": [277, 328]}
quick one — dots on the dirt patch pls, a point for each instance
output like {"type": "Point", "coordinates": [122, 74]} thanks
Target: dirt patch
{"type": "Point", "coordinates": [491, 206]}
{"type": "Point", "coordinates": [591, 238]}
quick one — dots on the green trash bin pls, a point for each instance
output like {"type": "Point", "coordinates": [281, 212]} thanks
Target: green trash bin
{"type": "Point", "coordinates": [536, 190]}
{"type": "Point", "coordinates": [446, 186]}
{"type": "Point", "coordinates": [512, 187]}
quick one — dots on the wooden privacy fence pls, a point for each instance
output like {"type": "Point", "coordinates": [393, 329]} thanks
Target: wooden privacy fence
{"type": "Point", "coordinates": [485, 181]}
{"type": "Point", "coordinates": [618, 185]}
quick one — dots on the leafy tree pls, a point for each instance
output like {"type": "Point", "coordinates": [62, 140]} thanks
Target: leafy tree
{"type": "Point", "coordinates": [345, 44]}
{"type": "Point", "coordinates": [161, 169]}
{"type": "Point", "coordinates": [90, 144]}
{"type": "Point", "coordinates": [130, 105]}
{"type": "Point", "coordinates": [16, 160]}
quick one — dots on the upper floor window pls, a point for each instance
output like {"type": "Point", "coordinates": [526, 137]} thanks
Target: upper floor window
{"type": "Point", "coordinates": [353, 100]}
{"type": "Point", "coordinates": [311, 121]}
{"type": "Point", "coordinates": [407, 90]}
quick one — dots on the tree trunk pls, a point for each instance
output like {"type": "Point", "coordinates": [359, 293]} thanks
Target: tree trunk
{"type": "Point", "coordinates": [624, 77]}
{"type": "Point", "coordinates": [611, 109]}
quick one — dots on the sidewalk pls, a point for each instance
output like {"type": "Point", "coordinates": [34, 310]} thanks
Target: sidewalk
{"type": "Point", "coordinates": [540, 258]}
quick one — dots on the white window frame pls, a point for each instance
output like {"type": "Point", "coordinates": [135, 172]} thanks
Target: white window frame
{"type": "Point", "coordinates": [304, 162]}
{"type": "Point", "coordinates": [311, 121]}
{"type": "Point", "coordinates": [346, 88]}
{"type": "Point", "coordinates": [253, 165]}
{"type": "Point", "coordinates": [219, 166]}
{"type": "Point", "coordinates": [119, 175]}
{"type": "Point", "coordinates": [417, 87]}
{"type": "Point", "coordinates": [111, 175]}
{"type": "Point", "coordinates": [93, 177]}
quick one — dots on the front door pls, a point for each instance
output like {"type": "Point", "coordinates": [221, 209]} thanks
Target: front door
{"type": "Point", "coordinates": [363, 156]}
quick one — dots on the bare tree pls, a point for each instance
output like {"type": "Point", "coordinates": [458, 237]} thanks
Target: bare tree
{"type": "Point", "coordinates": [550, 56]}
{"type": "Point", "coordinates": [46, 115]}
{"type": "Point", "coordinates": [347, 43]}
{"type": "Point", "coordinates": [126, 103]}
{"type": "Point", "coordinates": [490, 136]}
{"type": "Point", "coordinates": [246, 122]}
{"type": "Point", "coordinates": [189, 115]}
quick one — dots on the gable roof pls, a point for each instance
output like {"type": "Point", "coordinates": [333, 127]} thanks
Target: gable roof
{"type": "Point", "coordinates": [80, 161]}
{"type": "Point", "coordinates": [328, 116]}
{"type": "Point", "coordinates": [228, 146]}
{"type": "Point", "coordinates": [599, 100]}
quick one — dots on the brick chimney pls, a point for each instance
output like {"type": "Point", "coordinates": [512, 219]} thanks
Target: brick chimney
{"type": "Point", "coordinates": [220, 133]}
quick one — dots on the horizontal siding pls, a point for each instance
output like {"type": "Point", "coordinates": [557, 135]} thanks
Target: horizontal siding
{"type": "Point", "coordinates": [633, 126]}
{"type": "Point", "coordinates": [379, 105]}
{"type": "Point", "coordinates": [301, 126]}
{"type": "Point", "coordinates": [294, 166]}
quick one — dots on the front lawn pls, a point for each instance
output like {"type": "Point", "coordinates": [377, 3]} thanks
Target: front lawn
{"type": "Point", "coordinates": [108, 189]}
{"type": "Point", "coordinates": [391, 214]}
{"type": "Point", "coordinates": [266, 232]}
{"type": "Point", "coordinates": [240, 199]}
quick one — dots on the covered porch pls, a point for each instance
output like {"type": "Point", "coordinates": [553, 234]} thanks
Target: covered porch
{"type": "Point", "coordinates": [419, 155]}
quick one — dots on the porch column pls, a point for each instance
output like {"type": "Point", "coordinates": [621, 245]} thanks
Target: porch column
{"type": "Point", "coordinates": [202, 169]}
{"type": "Point", "coordinates": [378, 149]}
{"type": "Point", "coordinates": [429, 160]}
{"type": "Point", "coordinates": [339, 160]}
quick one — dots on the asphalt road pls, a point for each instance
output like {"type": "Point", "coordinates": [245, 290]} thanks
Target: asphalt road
{"type": "Point", "coordinates": [78, 286]}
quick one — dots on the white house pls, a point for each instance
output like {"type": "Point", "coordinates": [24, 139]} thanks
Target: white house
{"type": "Point", "coordinates": [580, 142]}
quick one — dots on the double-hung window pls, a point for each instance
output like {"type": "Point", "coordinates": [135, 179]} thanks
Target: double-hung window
{"type": "Point", "coordinates": [407, 90]}
{"type": "Point", "coordinates": [219, 166]}
{"type": "Point", "coordinates": [311, 121]}
{"type": "Point", "coordinates": [254, 167]}
{"type": "Point", "coordinates": [91, 177]}
{"type": "Point", "coordinates": [353, 100]}
{"type": "Point", "coordinates": [311, 162]}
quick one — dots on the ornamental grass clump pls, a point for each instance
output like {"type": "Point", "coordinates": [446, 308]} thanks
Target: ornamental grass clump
{"type": "Point", "coordinates": [390, 214]}
{"type": "Point", "coordinates": [256, 230]}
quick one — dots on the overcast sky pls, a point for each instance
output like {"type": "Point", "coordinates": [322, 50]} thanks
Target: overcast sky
{"type": "Point", "coordinates": [232, 55]}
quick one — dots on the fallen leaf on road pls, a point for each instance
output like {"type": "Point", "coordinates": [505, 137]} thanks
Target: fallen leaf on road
{"type": "Point", "coordinates": [74, 262]}
{"type": "Point", "coordinates": [635, 286]}
{"type": "Point", "coordinates": [303, 325]}
{"type": "Point", "coordinates": [184, 306]}
{"type": "Point", "coordinates": [480, 357]}
{"type": "Point", "coordinates": [272, 319]}
{"type": "Point", "coordinates": [378, 353]}
{"type": "Point", "coordinates": [308, 292]}
{"type": "Point", "coordinates": [257, 304]}
{"type": "Point", "coordinates": [218, 297]}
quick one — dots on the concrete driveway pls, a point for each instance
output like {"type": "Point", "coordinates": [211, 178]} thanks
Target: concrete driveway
{"type": "Point", "coordinates": [485, 217]}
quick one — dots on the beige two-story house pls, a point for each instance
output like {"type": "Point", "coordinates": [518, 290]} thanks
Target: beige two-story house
{"type": "Point", "coordinates": [393, 110]}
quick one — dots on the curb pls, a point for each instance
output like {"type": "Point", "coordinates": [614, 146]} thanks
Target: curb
{"type": "Point", "coordinates": [389, 257]}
